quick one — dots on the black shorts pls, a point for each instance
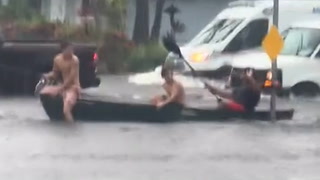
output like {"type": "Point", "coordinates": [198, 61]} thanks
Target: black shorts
{"type": "Point", "coordinates": [246, 97]}
{"type": "Point", "coordinates": [170, 111]}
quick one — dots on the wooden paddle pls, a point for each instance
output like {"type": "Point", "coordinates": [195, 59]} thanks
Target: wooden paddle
{"type": "Point", "coordinates": [170, 44]}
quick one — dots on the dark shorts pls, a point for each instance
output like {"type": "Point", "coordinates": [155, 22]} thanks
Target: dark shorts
{"type": "Point", "coordinates": [246, 97]}
{"type": "Point", "coordinates": [171, 111]}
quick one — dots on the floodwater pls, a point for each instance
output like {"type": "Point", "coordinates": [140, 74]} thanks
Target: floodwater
{"type": "Point", "coordinates": [33, 148]}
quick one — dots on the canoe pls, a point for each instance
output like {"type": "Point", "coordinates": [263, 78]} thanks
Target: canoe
{"type": "Point", "coordinates": [88, 108]}
{"type": "Point", "coordinates": [95, 108]}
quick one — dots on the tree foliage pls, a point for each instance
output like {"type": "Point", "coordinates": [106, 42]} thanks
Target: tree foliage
{"type": "Point", "coordinates": [176, 25]}
{"type": "Point", "coordinates": [19, 10]}
{"type": "Point", "coordinates": [114, 11]}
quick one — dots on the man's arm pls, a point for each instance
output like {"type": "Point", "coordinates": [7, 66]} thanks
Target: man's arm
{"type": "Point", "coordinates": [53, 74]}
{"type": "Point", "coordinates": [219, 92]}
{"type": "Point", "coordinates": [73, 74]}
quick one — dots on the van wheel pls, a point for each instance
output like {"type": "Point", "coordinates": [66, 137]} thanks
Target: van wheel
{"type": "Point", "coordinates": [306, 89]}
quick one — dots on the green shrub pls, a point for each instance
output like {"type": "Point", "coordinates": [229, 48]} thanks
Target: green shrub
{"type": "Point", "coordinates": [75, 33]}
{"type": "Point", "coordinates": [39, 29]}
{"type": "Point", "coordinates": [146, 57]}
{"type": "Point", "coordinates": [114, 51]}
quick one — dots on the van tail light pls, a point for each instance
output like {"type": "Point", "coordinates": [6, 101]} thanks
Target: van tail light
{"type": "Point", "coordinates": [268, 83]}
{"type": "Point", "coordinates": [95, 57]}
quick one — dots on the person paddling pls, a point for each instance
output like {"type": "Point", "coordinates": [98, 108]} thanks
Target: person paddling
{"type": "Point", "coordinates": [174, 99]}
{"type": "Point", "coordinates": [242, 99]}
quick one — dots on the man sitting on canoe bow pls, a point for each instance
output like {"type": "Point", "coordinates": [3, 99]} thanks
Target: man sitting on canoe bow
{"type": "Point", "coordinates": [66, 68]}
{"type": "Point", "coordinates": [174, 100]}
{"type": "Point", "coordinates": [242, 99]}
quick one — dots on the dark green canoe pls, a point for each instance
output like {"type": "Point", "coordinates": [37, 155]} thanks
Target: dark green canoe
{"type": "Point", "coordinates": [124, 109]}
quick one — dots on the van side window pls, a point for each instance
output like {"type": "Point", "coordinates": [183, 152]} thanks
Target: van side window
{"type": "Point", "coordinates": [249, 37]}
{"type": "Point", "coordinates": [318, 54]}
{"type": "Point", "coordinates": [301, 42]}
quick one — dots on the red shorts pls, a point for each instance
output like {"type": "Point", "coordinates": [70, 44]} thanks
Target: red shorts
{"type": "Point", "coordinates": [233, 106]}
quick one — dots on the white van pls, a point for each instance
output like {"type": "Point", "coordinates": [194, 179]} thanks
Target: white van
{"type": "Point", "coordinates": [241, 26]}
{"type": "Point", "coordinates": [298, 63]}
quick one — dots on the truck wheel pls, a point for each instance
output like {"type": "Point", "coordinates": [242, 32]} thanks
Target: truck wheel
{"type": "Point", "coordinates": [306, 89]}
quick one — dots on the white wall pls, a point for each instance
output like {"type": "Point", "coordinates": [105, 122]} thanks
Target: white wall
{"type": "Point", "coordinates": [73, 6]}
{"type": "Point", "coordinates": [62, 10]}
{"type": "Point", "coordinates": [57, 10]}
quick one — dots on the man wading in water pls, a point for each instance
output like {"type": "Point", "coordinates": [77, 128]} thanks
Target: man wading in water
{"type": "Point", "coordinates": [65, 68]}
{"type": "Point", "coordinates": [242, 99]}
{"type": "Point", "coordinates": [173, 102]}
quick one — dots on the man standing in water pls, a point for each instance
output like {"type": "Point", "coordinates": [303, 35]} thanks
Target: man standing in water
{"type": "Point", "coordinates": [173, 101]}
{"type": "Point", "coordinates": [66, 72]}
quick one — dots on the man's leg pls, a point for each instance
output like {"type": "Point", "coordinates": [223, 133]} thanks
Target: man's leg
{"type": "Point", "coordinates": [69, 100]}
{"type": "Point", "coordinates": [158, 99]}
{"type": "Point", "coordinates": [51, 90]}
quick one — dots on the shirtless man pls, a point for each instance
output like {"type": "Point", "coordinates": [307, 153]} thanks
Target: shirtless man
{"type": "Point", "coordinates": [65, 69]}
{"type": "Point", "coordinates": [174, 100]}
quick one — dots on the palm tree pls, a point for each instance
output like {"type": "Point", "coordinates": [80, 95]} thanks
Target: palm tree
{"type": "Point", "coordinates": [155, 32]}
{"type": "Point", "coordinates": [176, 25]}
{"type": "Point", "coordinates": [141, 26]}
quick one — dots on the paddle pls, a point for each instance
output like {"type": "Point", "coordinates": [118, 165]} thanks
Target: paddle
{"type": "Point", "coordinates": [41, 84]}
{"type": "Point", "coordinates": [170, 44]}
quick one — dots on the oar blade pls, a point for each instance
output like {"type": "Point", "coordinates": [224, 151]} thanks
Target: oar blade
{"type": "Point", "coordinates": [170, 44]}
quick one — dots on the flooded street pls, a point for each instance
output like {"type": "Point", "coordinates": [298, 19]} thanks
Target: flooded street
{"type": "Point", "coordinates": [33, 148]}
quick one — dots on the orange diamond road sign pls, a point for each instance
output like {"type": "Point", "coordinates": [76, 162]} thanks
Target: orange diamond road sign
{"type": "Point", "coordinates": [273, 43]}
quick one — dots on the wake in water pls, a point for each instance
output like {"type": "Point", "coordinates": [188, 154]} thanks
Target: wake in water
{"type": "Point", "coordinates": [154, 78]}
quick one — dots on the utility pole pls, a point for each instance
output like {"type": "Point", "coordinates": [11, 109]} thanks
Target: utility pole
{"type": "Point", "coordinates": [274, 64]}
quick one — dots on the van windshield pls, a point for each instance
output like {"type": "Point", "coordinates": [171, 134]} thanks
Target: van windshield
{"type": "Point", "coordinates": [300, 41]}
{"type": "Point", "coordinates": [216, 32]}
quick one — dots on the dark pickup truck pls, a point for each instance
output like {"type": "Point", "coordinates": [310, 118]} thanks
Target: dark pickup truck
{"type": "Point", "coordinates": [23, 62]}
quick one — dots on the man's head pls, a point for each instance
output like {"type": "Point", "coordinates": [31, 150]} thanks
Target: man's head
{"type": "Point", "coordinates": [167, 75]}
{"type": "Point", "coordinates": [247, 74]}
{"type": "Point", "coordinates": [66, 49]}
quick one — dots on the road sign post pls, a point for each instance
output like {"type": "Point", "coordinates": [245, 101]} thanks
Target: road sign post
{"type": "Point", "coordinates": [274, 64]}
{"type": "Point", "coordinates": [273, 44]}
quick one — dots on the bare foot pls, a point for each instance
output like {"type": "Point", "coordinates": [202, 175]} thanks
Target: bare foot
{"type": "Point", "coordinates": [69, 121]}
{"type": "Point", "coordinates": [69, 118]}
